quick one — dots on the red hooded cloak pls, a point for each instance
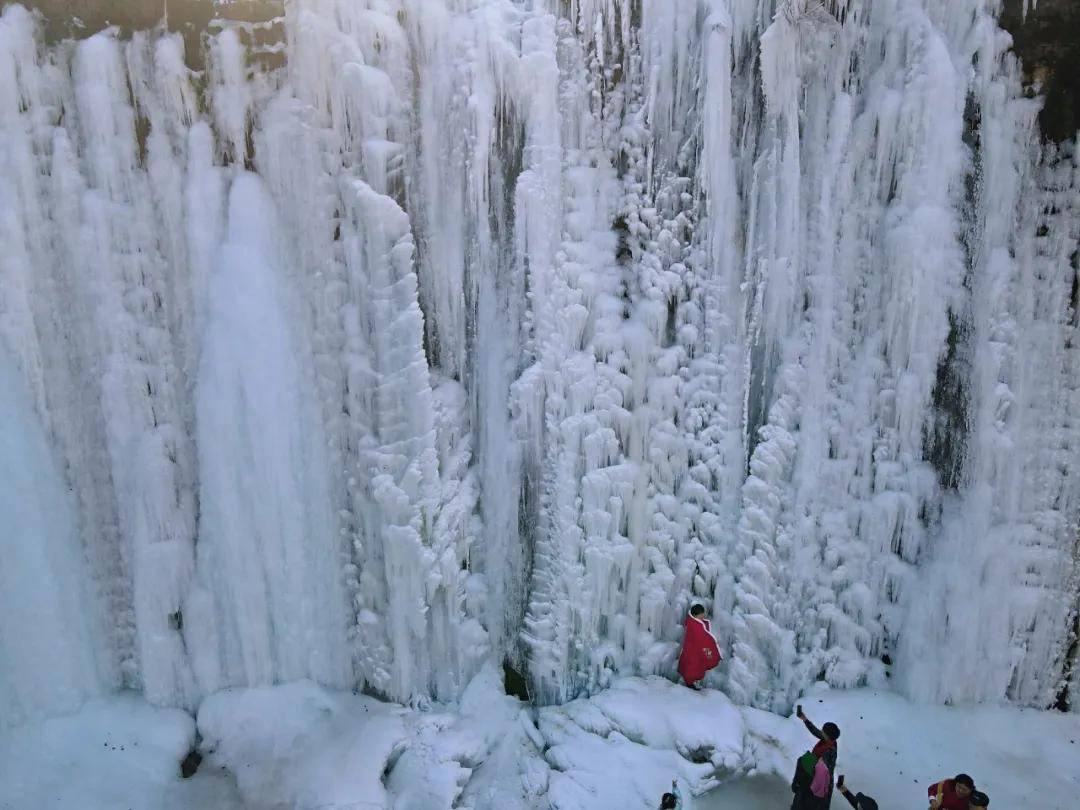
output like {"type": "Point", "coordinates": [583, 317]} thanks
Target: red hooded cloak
{"type": "Point", "coordinates": [700, 652]}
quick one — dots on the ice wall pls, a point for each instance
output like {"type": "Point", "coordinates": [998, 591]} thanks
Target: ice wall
{"type": "Point", "coordinates": [49, 618]}
{"type": "Point", "coordinates": [404, 334]}
{"type": "Point", "coordinates": [268, 606]}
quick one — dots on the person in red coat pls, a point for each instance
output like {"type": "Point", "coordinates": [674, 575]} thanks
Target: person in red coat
{"type": "Point", "coordinates": [951, 794]}
{"type": "Point", "coordinates": [700, 652]}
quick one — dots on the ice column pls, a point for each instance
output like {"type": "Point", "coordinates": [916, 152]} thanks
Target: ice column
{"type": "Point", "coordinates": [269, 605]}
{"type": "Point", "coordinates": [48, 611]}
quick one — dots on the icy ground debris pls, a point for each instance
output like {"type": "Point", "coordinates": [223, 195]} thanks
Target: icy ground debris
{"type": "Point", "coordinates": [303, 746]}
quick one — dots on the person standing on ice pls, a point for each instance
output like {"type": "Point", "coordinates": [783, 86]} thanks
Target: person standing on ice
{"type": "Point", "coordinates": [951, 794]}
{"type": "Point", "coordinates": [813, 780]}
{"type": "Point", "coordinates": [700, 652]}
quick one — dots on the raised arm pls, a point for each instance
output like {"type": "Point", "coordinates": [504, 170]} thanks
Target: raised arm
{"type": "Point", "coordinates": [813, 729]}
{"type": "Point", "coordinates": [809, 726]}
{"type": "Point", "coordinates": [846, 793]}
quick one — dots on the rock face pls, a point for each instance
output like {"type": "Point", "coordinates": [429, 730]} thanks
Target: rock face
{"type": "Point", "coordinates": [192, 19]}
{"type": "Point", "coordinates": [1047, 38]}
{"type": "Point", "coordinates": [1047, 41]}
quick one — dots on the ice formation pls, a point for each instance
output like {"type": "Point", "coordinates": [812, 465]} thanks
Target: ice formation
{"type": "Point", "coordinates": [382, 339]}
{"type": "Point", "coordinates": [47, 634]}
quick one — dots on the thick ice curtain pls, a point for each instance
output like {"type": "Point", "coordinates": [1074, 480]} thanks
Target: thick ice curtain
{"type": "Point", "coordinates": [269, 606]}
{"type": "Point", "coordinates": [50, 618]}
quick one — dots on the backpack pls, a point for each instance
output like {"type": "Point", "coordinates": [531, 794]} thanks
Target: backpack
{"type": "Point", "coordinates": [804, 772]}
{"type": "Point", "coordinates": [822, 780]}
{"type": "Point", "coordinates": [807, 762]}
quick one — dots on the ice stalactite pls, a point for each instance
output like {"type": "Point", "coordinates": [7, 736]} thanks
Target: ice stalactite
{"type": "Point", "coordinates": [433, 637]}
{"type": "Point", "coordinates": [461, 164]}
{"type": "Point", "coordinates": [860, 488]}
{"type": "Point", "coordinates": [411, 572]}
{"type": "Point", "coordinates": [619, 551]}
{"type": "Point", "coordinates": [1004, 545]}
{"type": "Point", "coordinates": [538, 205]}
{"type": "Point", "coordinates": [142, 385]}
{"type": "Point", "coordinates": [714, 324]}
{"type": "Point", "coordinates": [118, 382]}
{"type": "Point", "coordinates": [763, 644]}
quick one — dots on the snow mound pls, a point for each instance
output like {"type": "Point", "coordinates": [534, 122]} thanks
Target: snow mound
{"type": "Point", "coordinates": [303, 746]}
{"type": "Point", "coordinates": [115, 753]}
{"type": "Point", "coordinates": [300, 745]}
{"type": "Point", "coordinates": [623, 747]}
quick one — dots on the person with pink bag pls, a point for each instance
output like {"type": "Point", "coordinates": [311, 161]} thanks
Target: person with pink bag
{"type": "Point", "coordinates": [813, 780]}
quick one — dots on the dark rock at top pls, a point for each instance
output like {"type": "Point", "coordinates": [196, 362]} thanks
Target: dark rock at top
{"type": "Point", "coordinates": [1048, 44]}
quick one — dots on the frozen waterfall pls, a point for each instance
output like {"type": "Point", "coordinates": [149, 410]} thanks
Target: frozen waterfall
{"type": "Point", "coordinates": [49, 618]}
{"type": "Point", "coordinates": [268, 558]}
{"type": "Point", "coordinates": [370, 340]}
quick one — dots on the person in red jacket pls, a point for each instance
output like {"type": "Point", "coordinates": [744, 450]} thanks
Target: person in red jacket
{"type": "Point", "coordinates": [951, 794]}
{"type": "Point", "coordinates": [700, 652]}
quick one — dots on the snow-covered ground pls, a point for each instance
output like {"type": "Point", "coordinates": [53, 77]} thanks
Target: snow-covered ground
{"type": "Point", "coordinates": [117, 753]}
{"type": "Point", "coordinates": [302, 746]}
{"type": "Point", "coordinates": [892, 748]}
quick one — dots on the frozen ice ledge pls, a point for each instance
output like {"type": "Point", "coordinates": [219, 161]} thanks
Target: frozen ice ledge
{"type": "Point", "coordinates": [370, 342]}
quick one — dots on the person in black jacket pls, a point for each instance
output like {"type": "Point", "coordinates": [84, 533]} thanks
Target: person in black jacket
{"type": "Point", "coordinates": [859, 801]}
{"type": "Point", "coordinates": [825, 750]}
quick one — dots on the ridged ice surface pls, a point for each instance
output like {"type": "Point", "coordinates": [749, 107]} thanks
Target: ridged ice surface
{"type": "Point", "coordinates": [390, 336]}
